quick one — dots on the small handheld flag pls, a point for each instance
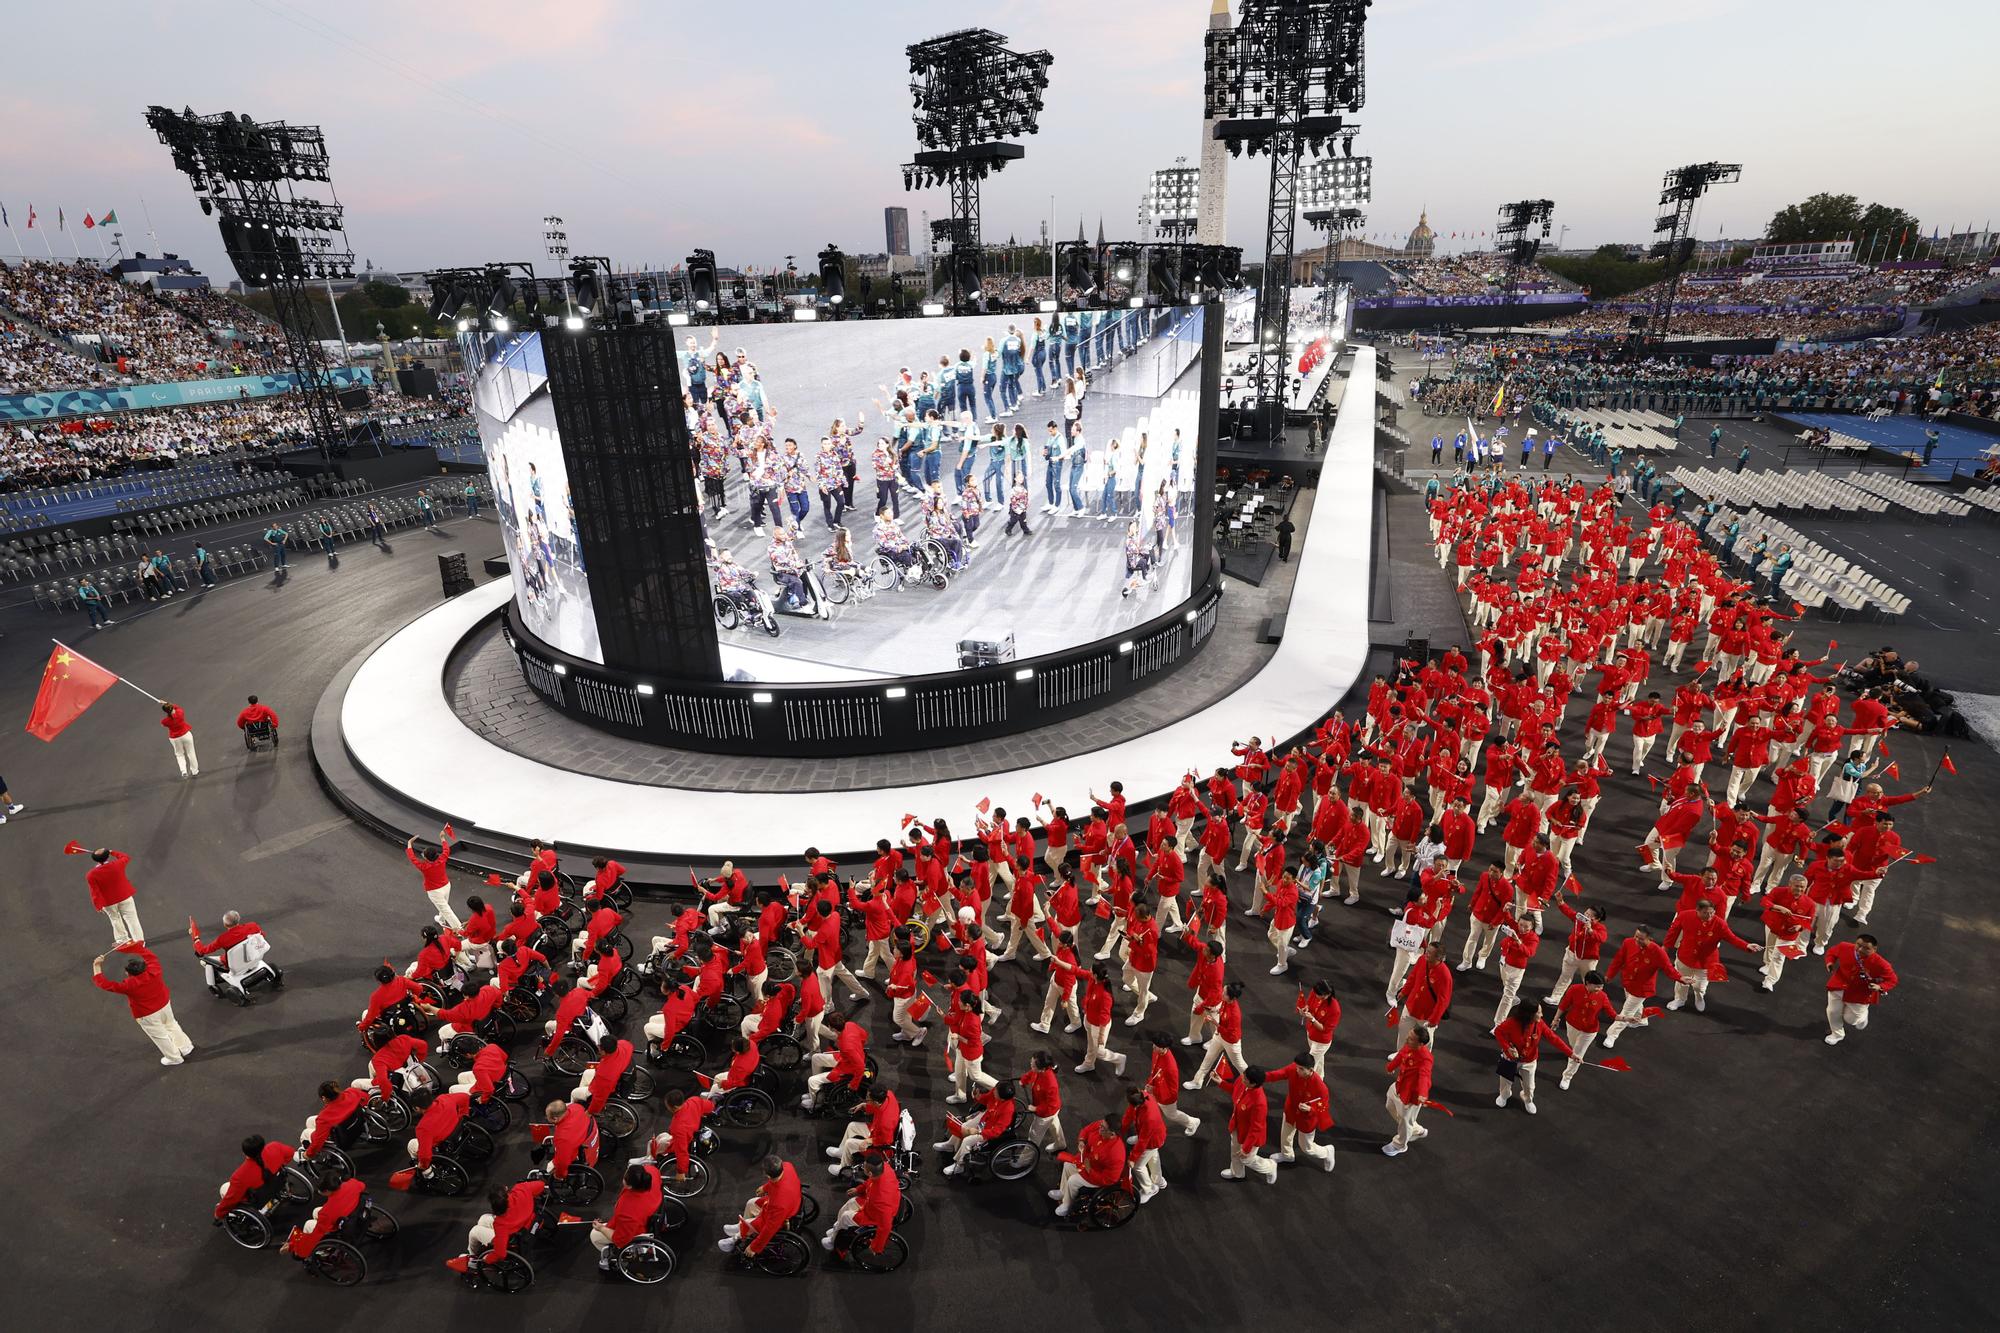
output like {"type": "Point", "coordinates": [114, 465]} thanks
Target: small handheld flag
{"type": "Point", "coordinates": [1946, 764]}
{"type": "Point", "coordinates": [74, 848]}
{"type": "Point", "coordinates": [1616, 1063]}
{"type": "Point", "coordinates": [985, 804]}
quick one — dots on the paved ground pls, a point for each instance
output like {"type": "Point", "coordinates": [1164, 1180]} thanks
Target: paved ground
{"type": "Point", "coordinates": [1742, 1176]}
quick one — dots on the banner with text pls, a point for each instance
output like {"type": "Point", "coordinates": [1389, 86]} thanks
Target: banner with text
{"type": "Point", "coordinates": [188, 393]}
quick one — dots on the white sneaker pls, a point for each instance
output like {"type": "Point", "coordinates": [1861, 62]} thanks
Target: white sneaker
{"type": "Point", "coordinates": [1187, 1041]}
{"type": "Point", "coordinates": [1393, 1149]}
{"type": "Point", "coordinates": [1529, 1107]}
{"type": "Point", "coordinates": [1118, 1066]}
{"type": "Point", "coordinates": [1282, 1157]}
{"type": "Point", "coordinates": [1501, 1100]}
{"type": "Point", "coordinates": [953, 1170]}
{"type": "Point", "coordinates": [1564, 1082]}
{"type": "Point", "coordinates": [1133, 1021]}
{"type": "Point", "coordinates": [1351, 899]}
{"type": "Point", "coordinates": [834, 1153]}
{"type": "Point", "coordinates": [1463, 967]}
{"type": "Point", "coordinates": [1671, 1004]}
{"type": "Point", "coordinates": [954, 1100]}
{"type": "Point", "coordinates": [171, 1060]}
{"type": "Point", "coordinates": [1191, 1086]}
{"type": "Point", "coordinates": [1701, 1004]}
{"type": "Point", "coordinates": [1042, 1028]}
{"type": "Point", "coordinates": [1279, 970]}
{"type": "Point", "coordinates": [1194, 1123]}
{"type": "Point", "coordinates": [16, 808]}
{"type": "Point", "coordinates": [1055, 1196]}
{"type": "Point", "coordinates": [1062, 1210]}
{"type": "Point", "coordinates": [1832, 1039]}
{"type": "Point", "coordinates": [1073, 1027]}
{"type": "Point", "coordinates": [1085, 1069]}
{"type": "Point", "coordinates": [833, 1170]}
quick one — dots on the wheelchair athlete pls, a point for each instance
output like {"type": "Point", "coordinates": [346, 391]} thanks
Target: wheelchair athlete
{"type": "Point", "coordinates": [993, 1121]}
{"type": "Point", "coordinates": [766, 1213]}
{"type": "Point", "coordinates": [632, 1216]}
{"type": "Point", "coordinates": [338, 1119]}
{"type": "Point", "coordinates": [235, 959]}
{"type": "Point", "coordinates": [326, 1220]}
{"type": "Point", "coordinates": [259, 725]}
{"type": "Point", "coordinates": [513, 1212]}
{"type": "Point", "coordinates": [256, 1179]}
{"type": "Point", "coordinates": [872, 1204]}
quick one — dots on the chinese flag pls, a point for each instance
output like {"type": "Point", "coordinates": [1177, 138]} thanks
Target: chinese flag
{"type": "Point", "coordinates": [1944, 763]}
{"type": "Point", "coordinates": [1893, 771]}
{"type": "Point", "coordinates": [70, 684]}
{"type": "Point", "coordinates": [1616, 1064]}
{"type": "Point", "coordinates": [1923, 860]}
{"type": "Point", "coordinates": [920, 1005]}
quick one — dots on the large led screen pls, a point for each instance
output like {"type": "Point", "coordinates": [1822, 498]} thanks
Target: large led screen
{"type": "Point", "coordinates": [517, 429]}
{"type": "Point", "coordinates": [1030, 478]}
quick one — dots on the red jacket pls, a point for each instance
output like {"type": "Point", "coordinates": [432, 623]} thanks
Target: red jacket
{"type": "Point", "coordinates": [1411, 1065]}
{"type": "Point", "coordinates": [633, 1215]}
{"type": "Point", "coordinates": [1099, 1155]}
{"type": "Point", "coordinates": [176, 724]}
{"type": "Point", "coordinates": [1145, 1124]}
{"type": "Point", "coordinates": [1583, 1008]}
{"type": "Point", "coordinates": [1637, 967]}
{"type": "Point", "coordinates": [1696, 942]}
{"type": "Point", "coordinates": [435, 870]}
{"type": "Point", "coordinates": [1306, 1103]}
{"type": "Point", "coordinates": [145, 993]}
{"type": "Point", "coordinates": [1249, 1115]}
{"type": "Point", "coordinates": [1163, 1079]}
{"type": "Point", "coordinates": [108, 883]}
{"type": "Point", "coordinates": [1321, 1015]}
{"type": "Point", "coordinates": [251, 1176]}
{"type": "Point", "coordinates": [1426, 992]}
{"type": "Point", "coordinates": [1859, 980]}
{"type": "Point", "coordinates": [1523, 1041]}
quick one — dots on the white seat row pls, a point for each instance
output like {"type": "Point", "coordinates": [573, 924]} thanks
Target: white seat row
{"type": "Point", "coordinates": [1780, 490]}
{"type": "Point", "coordinates": [1818, 576]}
{"type": "Point", "coordinates": [1908, 494]}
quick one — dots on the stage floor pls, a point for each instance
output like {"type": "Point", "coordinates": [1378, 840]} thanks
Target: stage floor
{"type": "Point", "coordinates": [409, 741]}
{"type": "Point", "coordinates": [1959, 448]}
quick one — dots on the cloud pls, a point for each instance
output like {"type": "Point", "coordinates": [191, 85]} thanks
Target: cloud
{"type": "Point", "coordinates": [1560, 25]}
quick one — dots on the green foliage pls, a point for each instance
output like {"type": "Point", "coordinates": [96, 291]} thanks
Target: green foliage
{"type": "Point", "coordinates": [1828, 217]}
{"type": "Point", "coordinates": [362, 310]}
{"type": "Point", "coordinates": [1608, 274]}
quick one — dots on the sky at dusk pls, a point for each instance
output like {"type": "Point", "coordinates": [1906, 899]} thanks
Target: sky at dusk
{"type": "Point", "coordinates": [766, 127]}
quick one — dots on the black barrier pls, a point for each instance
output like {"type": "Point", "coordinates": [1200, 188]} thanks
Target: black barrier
{"type": "Point", "coordinates": [870, 717]}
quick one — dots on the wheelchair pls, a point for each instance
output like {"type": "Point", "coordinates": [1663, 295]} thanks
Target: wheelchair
{"type": "Point", "coordinates": [384, 1118]}
{"type": "Point", "coordinates": [470, 1144]}
{"type": "Point", "coordinates": [930, 567]}
{"type": "Point", "coordinates": [399, 1019]}
{"type": "Point", "coordinates": [338, 1258]}
{"type": "Point", "coordinates": [464, 1046]}
{"type": "Point", "coordinates": [257, 735]}
{"type": "Point", "coordinates": [249, 1224]}
{"type": "Point", "coordinates": [233, 975]}
{"type": "Point", "coordinates": [845, 584]}
{"type": "Point", "coordinates": [1104, 1207]}
{"type": "Point", "coordinates": [618, 1121]}
{"type": "Point", "coordinates": [836, 1101]}
{"type": "Point", "coordinates": [689, 1185]}
{"type": "Point", "coordinates": [579, 1189]}
{"type": "Point", "coordinates": [511, 1273]}
{"type": "Point", "coordinates": [646, 1259]}
{"type": "Point", "coordinates": [686, 1051]}
{"type": "Point", "coordinates": [521, 1005]}
{"type": "Point", "coordinates": [1012, 1156]}
{"type": "Point", "coordinates": [788, 1253]}
{"type": "Point", "coordinates": [856, 1246]}
{"type": "Point", "coordinates": [747, 607]}
{"type": "Point", "coordinates": [754, 1104]}
{"type": "Point", "coordinates": [443, 989]}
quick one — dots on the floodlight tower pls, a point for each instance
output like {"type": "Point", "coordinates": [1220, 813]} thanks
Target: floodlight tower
{"type": "Point", "coordinates": [1278, 83]}
{"type": "Point", "coordinates": [1333, 191]}
{"type": "Point", "coordinates": [276, 237]}
{"type": "Point", "coordinates": [1681, 190]}
{"type": "Point", "coordinates": [970, 94]}
{"type": "Point", "coordinates": [1510, 236]}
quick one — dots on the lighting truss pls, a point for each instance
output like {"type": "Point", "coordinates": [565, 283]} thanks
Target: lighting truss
{"type": "Point", "coordinates": [968, 94]}
{"type": "Point", "coordinates": [1280, 83]}
{"type": "Point", "coordinates": [1511, 238]}
{"type": "Point", "coordinates": [249, 172]}
{"type": "Point", "coordinates": [1680, 191]}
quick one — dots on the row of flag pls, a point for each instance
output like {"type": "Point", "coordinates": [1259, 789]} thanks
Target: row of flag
{"type": "Point", "coordinates": [107, 219]}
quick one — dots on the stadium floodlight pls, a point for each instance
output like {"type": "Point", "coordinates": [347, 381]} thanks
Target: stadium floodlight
{"type": "Point", "coordinates": [701, 279]}
{"type": "Point", "coordinates": [1280, 82]}
{"type": "Point", "coordinates": [969, 94]}
{"type": "Point", "coordinates": [1682, 188]}
{"type": "Point", "coordinates": [1173, 201]}
{"type": "Point", "coordinates": [248, 172]}
{"type": "Point", "coordinates": [1329, 184]}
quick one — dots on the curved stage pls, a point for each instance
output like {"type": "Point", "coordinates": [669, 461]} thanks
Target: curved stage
{"type": "Point", "coordinates": [383, 745]}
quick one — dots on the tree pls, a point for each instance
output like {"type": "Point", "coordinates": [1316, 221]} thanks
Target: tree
{"type": "Point", "coordinates": [386, 295]}
{"type": "Point", "coordinates": [1829, 217]}
{"type": "Point", "coordinates": [1820, 218]}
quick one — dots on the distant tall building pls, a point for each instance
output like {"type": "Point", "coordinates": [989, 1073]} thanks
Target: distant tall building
{"type": "Point", "coordinates": [1423, 241]}
{"type": "Point", "coordinates": [896, 230]}
{"type": "Point", "coordinates": [1211, 209]}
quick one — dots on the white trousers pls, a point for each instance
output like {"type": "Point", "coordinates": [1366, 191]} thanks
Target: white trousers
{"type": "Point", "coordinates": [441, 904]}
{"type": "Point", "coordinates": [160, 1027]}
{"type": "Point", "coordinates": [124, 919]}
{"type": "Point", "coordinates": [1839, 1014]}
{"type": "Point", "coordinates": [184, 755]}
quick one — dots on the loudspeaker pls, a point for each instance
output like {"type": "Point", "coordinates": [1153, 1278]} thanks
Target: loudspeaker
{"type": "Point", "coordinates": [353, 400]}
{"type": "Point", "coordinates": [452, 572]}
{"type": "Point", "coordinates": [417, 382]}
